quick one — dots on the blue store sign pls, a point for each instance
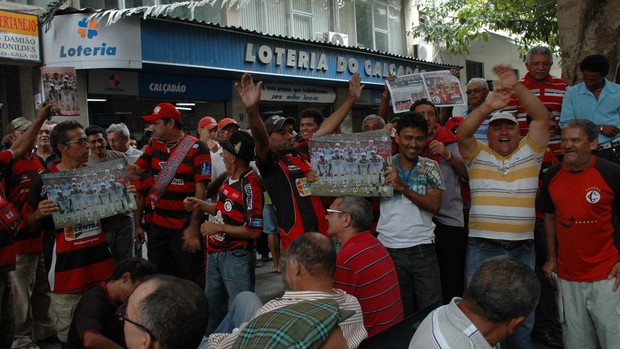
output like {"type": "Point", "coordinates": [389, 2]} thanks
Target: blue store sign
{"type": "Point", "coordinates": [175, 86]}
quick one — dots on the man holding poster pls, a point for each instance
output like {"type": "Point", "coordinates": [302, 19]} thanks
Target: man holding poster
{"type": "Point", "coordinates": [77, 257]}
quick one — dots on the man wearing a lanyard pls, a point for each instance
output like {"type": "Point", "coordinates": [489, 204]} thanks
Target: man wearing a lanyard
{"type": "Point", "coordinates": [406, 222]}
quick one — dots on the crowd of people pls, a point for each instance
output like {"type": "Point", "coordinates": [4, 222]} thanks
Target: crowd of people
{"type": "Point", "coordinates": [494, 213]}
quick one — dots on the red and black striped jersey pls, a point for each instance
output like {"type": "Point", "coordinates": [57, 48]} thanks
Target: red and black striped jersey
{"type": "Point", "coordinates": [17, 186]}
{"type": "Point", "coordinates": [196, 167]}
{"type": "Point", "coordinates": [297, 211]}
{"type": "Point", "coordinates": [7, 245]}
{"type": "Point", "coordinates": [239, 203]}
{"type": "Point", "coordinates": [77, 258]}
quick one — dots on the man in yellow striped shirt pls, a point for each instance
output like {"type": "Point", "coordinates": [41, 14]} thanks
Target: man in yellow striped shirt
{"type": "Point", "coordinates": [503, 178]}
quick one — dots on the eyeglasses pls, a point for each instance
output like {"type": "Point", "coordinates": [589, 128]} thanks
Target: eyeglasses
{"type": "Point", "coordinates": [121, 312]}
{"type": "Point", "coordinates": [476, 90]}
{"type": "Point", "coordinates": [329, 210]}
{"type": "Point", "coordinates": [80, 141]}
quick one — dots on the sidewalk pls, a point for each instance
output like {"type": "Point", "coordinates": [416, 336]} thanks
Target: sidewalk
{"type": "Point", "coordinates": [268, 284]}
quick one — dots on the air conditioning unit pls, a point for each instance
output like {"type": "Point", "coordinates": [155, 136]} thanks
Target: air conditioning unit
{"type": "Point", "coordinates": [425, 52]}
{"type": "Point", "coordinates": [337, 38]}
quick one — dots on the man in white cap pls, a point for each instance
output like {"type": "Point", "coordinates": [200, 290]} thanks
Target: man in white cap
{"type": "Point", "coordinates": [503, 177]}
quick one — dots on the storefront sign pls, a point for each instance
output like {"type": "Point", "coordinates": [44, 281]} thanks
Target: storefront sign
{"type": "Point", "coordinates": [299, 94]}
{"type": "Point", "coordinates": [113, 82]}
{"type": "Point", "coordinates": [225, 51]}
{"type": "Point", "coordinates": [73, 40]}
{"type": "Point", "coordinates": [19, 37]}
{"type": "Point", "coordinates": [277, 56]}
{"type": "Point", "coordinates": [177, 86]}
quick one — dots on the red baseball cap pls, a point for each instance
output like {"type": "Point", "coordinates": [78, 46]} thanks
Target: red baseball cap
{"type": "Point", "coordinates": [225, 122]}
{"type": "Point", "coordinates": [207, 122]}
{"type": "Point", "coordinates": [163, 110]}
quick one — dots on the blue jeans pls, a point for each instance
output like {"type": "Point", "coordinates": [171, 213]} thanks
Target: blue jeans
{"type": "Point", "coordinates": [478, 251]}
{"type": "Point", "coordinates": [243, 308]}
{"type": "Point", "coordinates": [228, 274]}
{"type": "Point", "coordinates": [270, 224]}
{"type": "Point", "coordinates": [418, 276]}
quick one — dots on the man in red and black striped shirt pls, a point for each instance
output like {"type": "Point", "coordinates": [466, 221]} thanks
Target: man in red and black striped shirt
{"type": "Point", "coordinates": [238, 221]}
{"type": "Point", "coordinates": [364, 268]}
{"type": "Point", "coordinates": [19, 147]}
{"type": "Point", "coordinates": [174, 243]}
{"type": "Point", "coordinates": [284, 172]}
{"type": "Point", "coordinates": [29, 282]}
{"type": "Point", "coordinates": [77, 257]}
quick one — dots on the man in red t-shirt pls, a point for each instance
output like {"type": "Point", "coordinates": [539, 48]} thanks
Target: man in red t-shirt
{"type": "Point", "coordinates": [364, 268]}
{"type": "Point", "coordinates": [579, 198]}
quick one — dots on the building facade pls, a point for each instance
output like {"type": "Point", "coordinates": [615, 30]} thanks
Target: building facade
{"type": "Point", "coordinates": [130, 58]}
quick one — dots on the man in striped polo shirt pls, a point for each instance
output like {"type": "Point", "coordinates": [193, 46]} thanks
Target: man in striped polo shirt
{"type": "Point", "coordinates": [503, 177]}
{"type": "Point", "coordinates": [550, 90]}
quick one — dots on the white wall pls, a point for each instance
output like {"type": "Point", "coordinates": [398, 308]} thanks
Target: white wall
{"type": "Point", "coordinates": [498, 50]}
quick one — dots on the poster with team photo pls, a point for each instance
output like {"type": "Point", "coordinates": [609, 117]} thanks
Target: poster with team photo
{"type": "Point", "coordinates": [440, 87]}
{"type": "Point", "coordinates": [89, 193]}
{"type": "Point", "coordinates": [351, 164]}
{"type": "Point", "coordinates": [60, 89]}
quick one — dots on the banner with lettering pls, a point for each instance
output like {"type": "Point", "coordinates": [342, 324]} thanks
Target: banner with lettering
{"type": "Point", "coordinates": [19, 37]}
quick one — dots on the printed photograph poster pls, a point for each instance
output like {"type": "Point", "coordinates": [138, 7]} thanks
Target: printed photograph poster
{"type": "Point", "coordinates": [60, 89]}
{"type": "Point", "coordinates": [440, 87]}
{"type": "Point", "coordinates": [351, 164]}
{"type": "Point", "coordinates": [444, 88]}
{"type": "Point", "coordinates": [90, 193]}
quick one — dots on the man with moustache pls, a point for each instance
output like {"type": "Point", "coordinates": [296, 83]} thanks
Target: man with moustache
{"type": "Point", "coordinates": [579, 197]}
{"type": "Point", "coordinates": [406, 220]}
{"type": "Point", "coordinates": [77, 257]}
